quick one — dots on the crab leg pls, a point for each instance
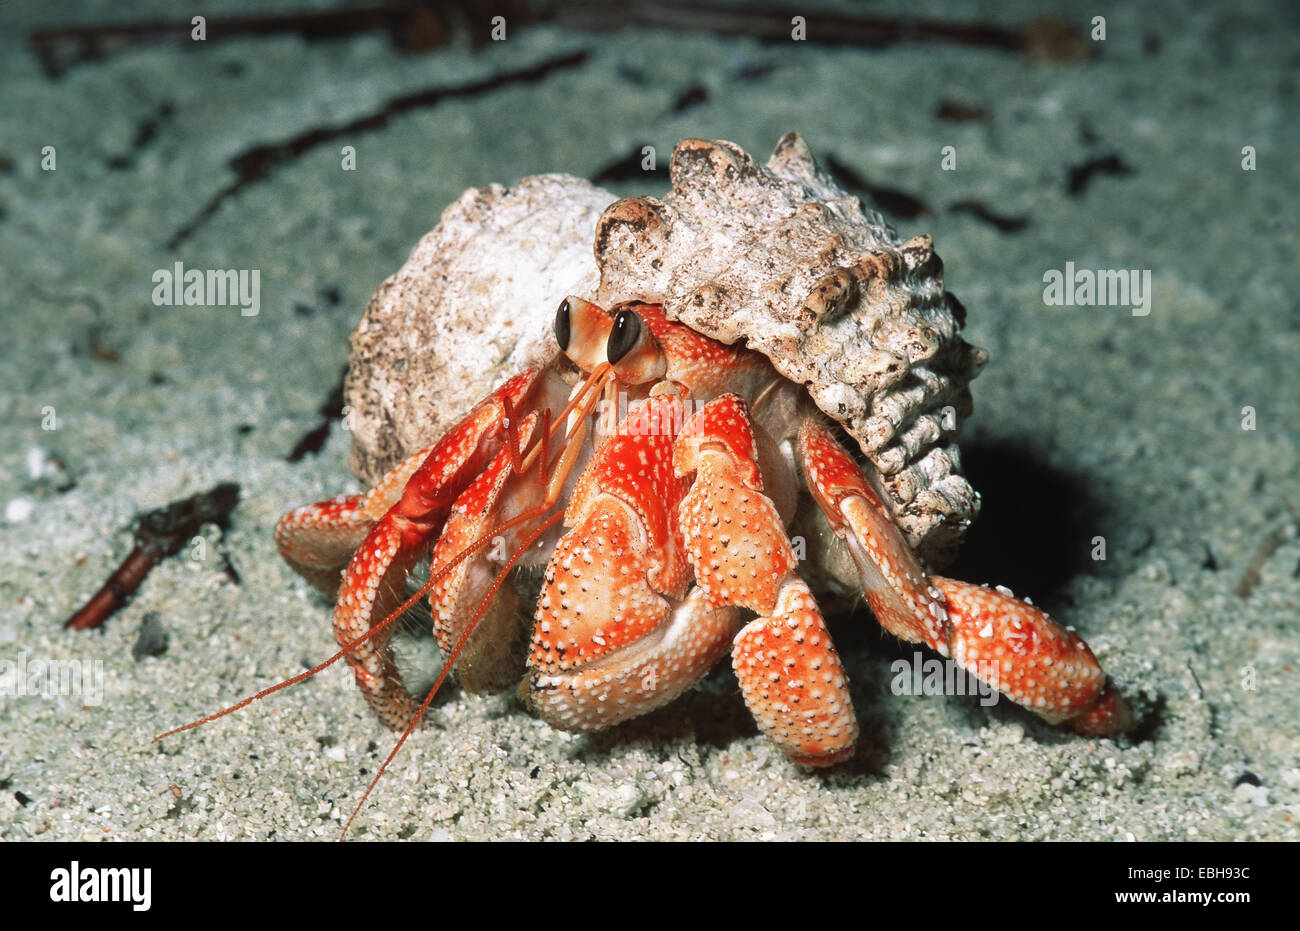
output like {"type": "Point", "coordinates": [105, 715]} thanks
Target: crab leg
{"type": "Point", "coordinates": [491, 659]}
{"type": "Point", "coordinates": [317, 540]}
{"type": "Point", "coordinates": [616, 635]}
{"type": "Point", "coordinates": [789, 672]}
{"type": "Point", "coordinates": [467, 595]}
{"type": "Point", "coordinates": [1039, 664]}
{"type": "Point", "coordinates": [1009, 643]}
{"type": "Point", "coordinates": [374, 583]}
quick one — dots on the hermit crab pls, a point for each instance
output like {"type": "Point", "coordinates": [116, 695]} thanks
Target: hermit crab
{"type": "Point", "coordinates": [738, 408]}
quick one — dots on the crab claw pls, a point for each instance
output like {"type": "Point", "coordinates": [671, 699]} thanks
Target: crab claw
{"type": "Point", "coordinates": [789, 672]}
{"type": "Point", "coordinates": [1002, 640]}
{"type": "Point", "coordinates": [1031, 659]}
{"type": "Point", "coordinates": [793, 680]}
{"type": "Point", "coordinates": [616, 633]}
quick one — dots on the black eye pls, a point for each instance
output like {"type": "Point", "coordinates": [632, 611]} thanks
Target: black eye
{"type": "Point", "coordinates": [626, 332]}
{"type": "Point", "coordinates": [562, 325]}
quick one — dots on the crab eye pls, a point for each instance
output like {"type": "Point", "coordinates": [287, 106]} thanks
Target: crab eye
{"type": "Point", "coordinates": [624, 336]}
{"type": "Point", "coordinates": [562, 325]}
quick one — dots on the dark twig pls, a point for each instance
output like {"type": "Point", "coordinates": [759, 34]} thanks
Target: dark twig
{"type": "Point", "coordinates": [1081, 174]}
{"type": "Point", "coordinates": [1295, 511]}
{"type": "Point", "coordinates": [978, 210]}
{"type": "Point", "coordinates": [1043, 38]}
{"type": "Point", "coordinates": [955, 112]}
{"type": "Point", "coordinates": [412, 26]}
{"type": "Point", "coordinates": [693, 96]}
{"type": "Point", "coordinates": [158, 534]}
{"type": "Point", "coordinates": [421, 25]}
{"type": "Point", "coordinates": [1267, 547]}
{"type": "Point", "coordinates": [146, 132]}
{"type": "Point", "coordinates": [891, 200]}
{"type": "Point", "coordinates": [314, 439]}
{"type": "Point", "coordinates": [256, 164]}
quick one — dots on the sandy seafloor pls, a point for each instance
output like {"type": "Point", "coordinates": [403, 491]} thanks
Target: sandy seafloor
{"type": "Point", "coordinates": [1089, 421]}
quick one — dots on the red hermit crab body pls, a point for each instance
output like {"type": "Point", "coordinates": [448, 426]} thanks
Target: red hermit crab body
{"type": "Point", "coordinates": [677, 548]}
